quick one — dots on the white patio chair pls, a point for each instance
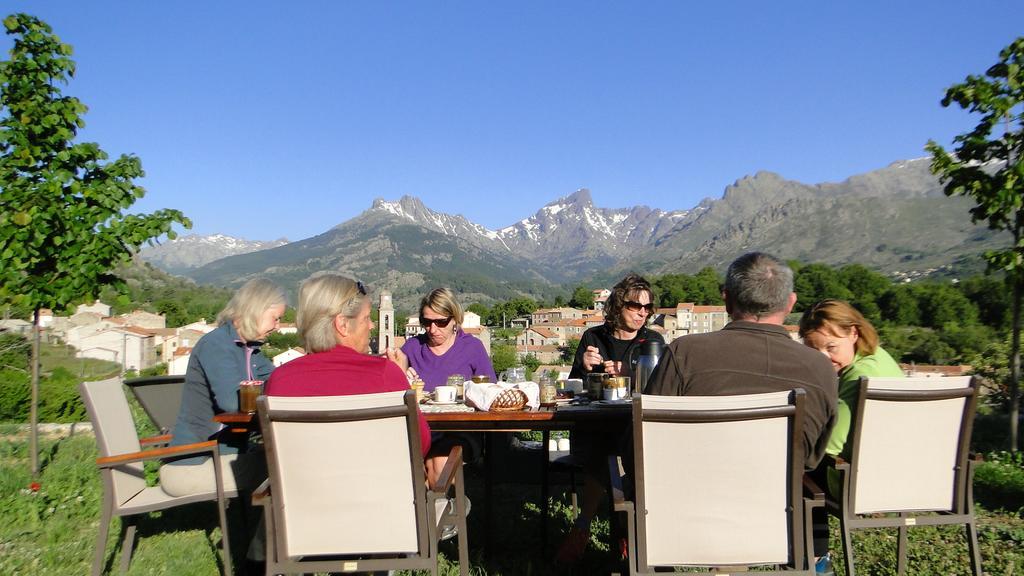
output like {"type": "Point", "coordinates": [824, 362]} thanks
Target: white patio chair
{"type": "Point", "coordinates": [909, 465]}
{"type": "Point", "coordinates": [718, 484]}
{"type": "Point", "coordinates": [125, 493]}
{"type": "Point", "coordinates": [347, 489]}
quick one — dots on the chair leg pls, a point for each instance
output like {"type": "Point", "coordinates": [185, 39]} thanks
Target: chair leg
{"type": "Point", "coordinates": [101, 539]}
{"type": "Point", "coordinates": [844, 531]}
{"type": "Point", "coordinates": [460, 510]}
{"type": "Point", "coordinates": [225, 547]}
{"type": "Point", "coordinates": [128, 542]}
{"type": "Point", "coordinates": [972, 545]}
{"type": "Point", "coordinates": [901, 549]}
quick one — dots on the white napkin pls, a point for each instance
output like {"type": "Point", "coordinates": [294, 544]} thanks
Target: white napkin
{"type": "Point", "coordinates": [481, 395]}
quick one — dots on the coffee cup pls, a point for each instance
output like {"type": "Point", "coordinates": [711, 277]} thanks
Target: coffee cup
{"type": "Point", "coordinates": [444, 394]}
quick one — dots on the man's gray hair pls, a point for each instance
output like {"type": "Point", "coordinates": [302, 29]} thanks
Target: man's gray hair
{"type": "Point", "coordinates": [758, 284]}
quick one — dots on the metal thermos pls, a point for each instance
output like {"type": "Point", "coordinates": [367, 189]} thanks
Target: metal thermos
{"type": "Point", "coordinates": [650, 353]}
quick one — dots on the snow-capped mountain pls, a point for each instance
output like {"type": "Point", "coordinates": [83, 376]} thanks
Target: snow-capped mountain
{"type": "Point", "coordinates": [568, 233]}
{"type": "Point", "coordinates": [893, 219]}
{"type": "Point", "coordinates": [192, 251]}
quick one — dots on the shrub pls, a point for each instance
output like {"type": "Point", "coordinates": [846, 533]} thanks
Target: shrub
{"type": "Point", "coordinates": [59, 400]}
{"type": "Point", "coordinates": [15, 394]}
{"type": "Point", "coordinates": [999, 481]}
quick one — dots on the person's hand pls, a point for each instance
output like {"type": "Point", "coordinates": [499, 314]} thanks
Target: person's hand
{"type": "Point", "coordinates": [398, 357]}
{"type": "Point", "coordinates": [612, 367]}
{"type": "Point", "coordinates": [411, 374]}
{"type": "Point", "coordinates": [591, 357]}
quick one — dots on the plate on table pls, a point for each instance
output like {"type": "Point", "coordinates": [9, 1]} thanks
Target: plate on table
{"type": "Point", "coordinates": [443, 403]}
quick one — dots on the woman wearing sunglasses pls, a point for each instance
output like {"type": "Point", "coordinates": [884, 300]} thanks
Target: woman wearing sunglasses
{"type": "Point", "coordinates": [608, 348]}
{"type": "Point", "coordinates": [443, 349]}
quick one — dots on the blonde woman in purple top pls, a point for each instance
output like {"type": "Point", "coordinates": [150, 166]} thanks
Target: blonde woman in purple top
{"type": "Point", "coordinates": [443, 349]}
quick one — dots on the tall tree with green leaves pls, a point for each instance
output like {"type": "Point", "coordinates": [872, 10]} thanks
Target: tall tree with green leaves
{"type": "Point", "coordinates": [63, 226]}
{"type": "Point", "coordinates": [987, 166]}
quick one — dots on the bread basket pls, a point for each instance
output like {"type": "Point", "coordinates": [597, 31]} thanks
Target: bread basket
{"type": "Point", "coordinates": [509, 400]}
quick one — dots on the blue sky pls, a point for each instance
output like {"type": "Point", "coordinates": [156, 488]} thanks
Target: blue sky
{"type": "Point", "coordinates": [269, 119]}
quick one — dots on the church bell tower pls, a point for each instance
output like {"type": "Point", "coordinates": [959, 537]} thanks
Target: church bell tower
{"type": "Point", "coordinates": [386, 325]}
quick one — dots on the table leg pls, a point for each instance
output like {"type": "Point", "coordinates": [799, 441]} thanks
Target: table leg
{"type": "Point", "coordinates": [544, 491]}
{"type": "Point", "coordinates": [488, 489]}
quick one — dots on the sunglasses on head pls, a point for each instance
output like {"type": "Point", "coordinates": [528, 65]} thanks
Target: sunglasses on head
{"type": "Point", "coordinates": [439, 322]}
{"type": "Point", "coordinates": [636, 306]}
{"type": "Point", "coordinates": [361, 287]}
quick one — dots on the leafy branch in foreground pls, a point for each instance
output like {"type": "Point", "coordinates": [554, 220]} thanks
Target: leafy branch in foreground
{"type": "Point", "coordinates": [63, 226]}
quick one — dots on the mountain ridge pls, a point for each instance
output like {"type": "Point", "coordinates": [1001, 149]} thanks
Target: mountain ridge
{"type": "Point", "coordinates": [895, 219]}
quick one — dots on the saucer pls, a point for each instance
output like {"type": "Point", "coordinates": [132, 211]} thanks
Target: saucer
{"type": "Point", "coordinates": [439, 403]}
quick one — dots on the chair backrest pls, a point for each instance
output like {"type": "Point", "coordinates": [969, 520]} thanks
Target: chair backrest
{"type": "Point", "coordinates": [160, 397]}
{"type": "Point", "coordinates": [112, 423]}
{"type": "Point", "coordinates": [910, 443]}
{"type": "Point", "coordinates": [718, 479]}
{"type": "Point", "coordinates": [346, 474]}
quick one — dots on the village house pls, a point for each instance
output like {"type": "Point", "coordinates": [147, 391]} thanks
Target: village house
{"type": "Point", "coordinates": [288, 355]}
{"type": "Point", "coordinates": [555, 314]}
{"type": "Point", "coordinates": [546, 354]}
{"type": "Point", "coordinates": [130, 346]}
{"type": "Point", "coordinates": [688, 318]}
{"type": "Point", "coordinates": [177, 364]}
{"type": "Point", "coordinates": [540, 336]}
{"type": "Point", "coordinates": [97, 307]}
{"type": "Point", "coordinates": [601, 298]}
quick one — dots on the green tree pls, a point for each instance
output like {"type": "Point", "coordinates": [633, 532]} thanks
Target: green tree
{"type": "Point", "coordinates": [582, 297]}
{"type": "Point", "coordinates": [941, 304]}
{"type": "Point", "coordinates": [503, 357]}
{"type": "Point", "coordinates": [992, 297]}
{"type": "Point", "coordinates": [816, 282]}
{"type": "Point", "coordinates": [63, 228]}
{"type": "Point", "coordinates": [569, 350]}
{"type": "Point", "coordinates": [899, 306]}
{"type": "Point", "coordinates": [990, 169]}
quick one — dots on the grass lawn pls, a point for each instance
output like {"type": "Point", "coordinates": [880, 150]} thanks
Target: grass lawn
{"type": "Point", "coordinates": [52, 530]}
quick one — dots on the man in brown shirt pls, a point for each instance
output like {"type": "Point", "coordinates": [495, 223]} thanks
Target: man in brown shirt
{"type": "Point", "coordinates": [754, 353]}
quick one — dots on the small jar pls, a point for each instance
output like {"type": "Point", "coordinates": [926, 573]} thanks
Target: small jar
{"type": "Point", "coordinates": [548, 391]}
{"type": "Point", "coordinates": [480, 378]}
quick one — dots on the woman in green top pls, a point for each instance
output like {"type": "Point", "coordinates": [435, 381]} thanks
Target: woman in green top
{"type": "Point", "coordinates": [839, 331]}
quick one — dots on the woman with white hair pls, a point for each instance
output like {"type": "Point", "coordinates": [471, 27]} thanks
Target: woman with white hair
{"type": "Point", "coordinates": [218, 363]}
{"type": "Point", "coordinates": [334, 323]}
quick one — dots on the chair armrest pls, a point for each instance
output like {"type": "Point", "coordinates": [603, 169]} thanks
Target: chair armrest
{"type": "Point", "coordinates": [209, 446]}
{"type": "Point", "coordinates": [162, 439]}
{"type": "Point", "coordinates": [261, 494]}
{"type": "Point", "coordinates": [446, 479]}
{"type": "Point", "coordinates": [812, 492]}
{"type": "Point", "coordinates": [836, 462]}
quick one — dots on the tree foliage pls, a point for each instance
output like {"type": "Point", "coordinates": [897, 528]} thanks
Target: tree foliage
{"type": "Point", "coordinates": [62, 226]}
{"type": "Point", "coordinates": [990, 169]}
{"type": "Point", "coordinates": [702, 289]}
{"type": "Point", "coordinates": [582, 298]}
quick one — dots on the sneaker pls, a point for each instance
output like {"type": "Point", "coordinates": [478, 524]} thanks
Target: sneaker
{"type": "Point", "coordinates": [451, 531]}
{"type": "Point", "coordinates": [824, 565]}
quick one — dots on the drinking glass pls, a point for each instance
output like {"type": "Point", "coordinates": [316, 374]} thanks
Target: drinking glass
{"type": "Point", "coordinates": [458, 381]}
